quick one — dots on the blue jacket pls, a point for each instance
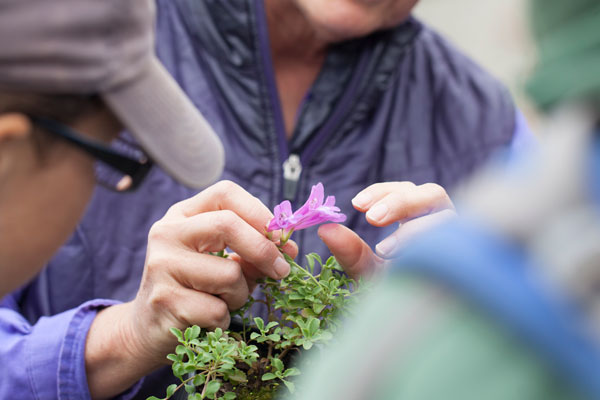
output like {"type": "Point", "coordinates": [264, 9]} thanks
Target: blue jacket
{"type": "Point", "coordinates": [400, 104]}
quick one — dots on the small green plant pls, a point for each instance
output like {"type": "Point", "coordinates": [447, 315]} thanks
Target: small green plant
{"type": "Point", "coordinates": [303, 311]}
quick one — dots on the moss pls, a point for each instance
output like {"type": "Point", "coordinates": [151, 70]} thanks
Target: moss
{"type": "Point", "coordinates": [264, 393]}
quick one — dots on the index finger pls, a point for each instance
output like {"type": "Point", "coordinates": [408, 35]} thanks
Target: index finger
{"type": "Point", "coordinates": [226, 195]}
{"type": "Point", "coordinates": [216, 230]}
{"type": "Point", "coordinates": [402, 201]}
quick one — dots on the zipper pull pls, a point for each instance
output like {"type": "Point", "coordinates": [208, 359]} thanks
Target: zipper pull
{"type": "Point", "coordinates": [292, 168]}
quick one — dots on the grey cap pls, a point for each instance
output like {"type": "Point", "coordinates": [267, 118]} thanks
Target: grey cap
{"type": "Point", "coordinates": [106, 47]}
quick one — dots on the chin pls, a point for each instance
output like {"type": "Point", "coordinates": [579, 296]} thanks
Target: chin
{"type": "Point", "coordinates": [337, 20]}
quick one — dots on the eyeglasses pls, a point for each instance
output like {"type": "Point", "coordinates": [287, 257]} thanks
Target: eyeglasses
{"type": "Point", "coordinates": [122, 170]}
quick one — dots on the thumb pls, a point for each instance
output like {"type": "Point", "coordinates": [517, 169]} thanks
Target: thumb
{"type": "Point", "coordinates": [353, 254]}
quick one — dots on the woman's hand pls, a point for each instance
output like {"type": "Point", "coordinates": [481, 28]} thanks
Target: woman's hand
{"type": "Point", "coordinates": [415, 208]}
{"type": "Point", "coordinates": [183, 284]}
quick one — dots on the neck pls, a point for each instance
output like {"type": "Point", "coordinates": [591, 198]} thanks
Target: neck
{"type": "Point", "coordinates": [297, 53]}
{"type": "Point", "coordinates": [288, 28]}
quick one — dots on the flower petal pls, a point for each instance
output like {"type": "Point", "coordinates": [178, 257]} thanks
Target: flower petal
{"type": "Point", "coordinates": [312, 212]}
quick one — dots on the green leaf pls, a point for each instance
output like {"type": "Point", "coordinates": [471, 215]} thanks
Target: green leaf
{"type": "Point", "coordinates": [199, 380]}
{"type": "Point", "coordinates": [218, 333]}
{"type": "Point", "coordinates": [212, 387]}
{"type": "Point", "coordinates": [254, 335]}
{"type": "Point", "coordinates": [291, 372]}
{"type": "Point", "coordinates": [307, 344]}
{"type": "Point", "coordinates": [187, 335]}
{"type": "Point", "coordinates": [195, 332]}
{"type": "Point", "coordinates": [277, 363]}
{"type": "Point", "coordinates": [188, 368]}
{"type": "Point", "coordinates": [229, 396]}
{"type": "Point", "coordinates": [260, 324]}
{"type": "Point", "coordinates": [268, 376]}
{"type": "Point", "coordinates": [226, 367]}
{"type": "Point", "coordinates": [171, 389]}
{"type": "Point", "coordinates": [270, 325]}
{"type": "Point", "coordinates": [173, 357]}
{"type": "Point", "coordinates": [178, 370]}
{"type": "Point", "coordinates": [311, 262]}
{"type": "Point", "coordinates": [317, 308]}
{"type": "Point", "coordinates": [317, 257]}
{"type": "Point", "coordinates": [191, 355]}
{"type": "Point", "coordinates": [177, 334]}
{"type": "Point", "coordinates": [290, 385]}
{"type": "Point", "coordinates": [189, 388]}
{"type": "Point", "coordinates": [274, 337]}
{"type": "Point", "coordinates": [325, 275]}
{"type": "Point", "coordinates": [153, 398]}
{"type": "Point", "coordinates": [237, 376]}
{"type": "Point", "coordinates": [313, 326]}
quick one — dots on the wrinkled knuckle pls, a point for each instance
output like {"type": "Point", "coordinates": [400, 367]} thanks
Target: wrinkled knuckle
{"type": "Point", "coordinates": [157, 261]}
{"type": "Point", "coordinates": [156, 231]}
{"type": "Point", "coordinates": [240, 301]}
{"type": "Point", "coordinates": [225, 221]}
{"type": "Point", "coordinates": [160, 298]}
{"type": "Point", "coordinates": [436, 190]}
{"type": "Point", "coordinates": [224, 188]}
{"type": "Point", "coordinates": [175, 209]}
{"type": "Point", "coordinates": [231, 274]}
{"type": "Point", "coordinates": [219, 314]}
{"type": "Point", "coordinates": [161, 230]}
{"type": "Point", "coordinates": [405, 185]}
{"type": "Point", "coordinates": [266, 250]}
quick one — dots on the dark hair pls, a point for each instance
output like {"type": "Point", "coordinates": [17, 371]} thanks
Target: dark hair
{"type": "Point", "coordinates": [64, 108]}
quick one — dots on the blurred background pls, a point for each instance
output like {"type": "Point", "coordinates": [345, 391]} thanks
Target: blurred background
{"type": "Point", "coordinates": [495, 34]}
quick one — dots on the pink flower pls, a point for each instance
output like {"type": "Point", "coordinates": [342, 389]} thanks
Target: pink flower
{"type": "Point", "coordinates": [313, 212]}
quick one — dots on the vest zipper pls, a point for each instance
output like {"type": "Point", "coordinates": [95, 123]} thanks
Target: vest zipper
{"type": "Point", "coordinates": [292, 165]}
{"type": "Point", "coordinates": [292, 168]}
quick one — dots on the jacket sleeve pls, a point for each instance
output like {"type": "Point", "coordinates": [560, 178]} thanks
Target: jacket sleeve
{"type": "Point", "coordinates": [46, 360]}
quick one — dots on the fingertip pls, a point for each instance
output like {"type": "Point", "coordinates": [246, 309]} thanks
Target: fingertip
{"type": "Point", "coordinates": [290, 248]}
{"type": "Point", "coordinates": [281, 267]}
{"type": "Point", "coordinates": [377, 215]}
{"type": "Point", "coordinates": [362, 200]}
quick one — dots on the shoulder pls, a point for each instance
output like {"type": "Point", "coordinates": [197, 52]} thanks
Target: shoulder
{"type": "Point", "coordinates": [463, 97]}
{"type": "Point", "coordinates": [449, 66]}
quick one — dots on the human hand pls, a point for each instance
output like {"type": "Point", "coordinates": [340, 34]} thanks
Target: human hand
{"type": "Point", "coordinates": [416, 208]}
{"type": "Point", "coordinates": [182, 284]}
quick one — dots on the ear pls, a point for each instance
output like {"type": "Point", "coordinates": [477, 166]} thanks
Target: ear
{"type": "Point", "coordinates": [14, 126]}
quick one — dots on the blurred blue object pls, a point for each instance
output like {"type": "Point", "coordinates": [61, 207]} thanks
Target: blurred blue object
{"type": "Point", "coordinates": [497, 274]}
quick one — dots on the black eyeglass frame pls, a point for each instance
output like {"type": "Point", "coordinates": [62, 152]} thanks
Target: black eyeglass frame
{"type": "Point", "coordinates": [135, 169]}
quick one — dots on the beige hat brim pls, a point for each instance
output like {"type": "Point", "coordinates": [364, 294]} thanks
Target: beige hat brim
{"type": "Point", "coordinates": [168, 126]}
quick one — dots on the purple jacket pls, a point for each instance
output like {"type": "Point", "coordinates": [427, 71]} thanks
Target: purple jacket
{"type": "Point", "coordinates": [401, 104]}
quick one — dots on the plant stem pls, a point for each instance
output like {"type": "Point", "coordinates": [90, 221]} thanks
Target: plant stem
{"type": "Point", "coordinates": [285, 351]}
{"type": "Point", "coordinates": [205, 385]}
{"type": "Point", "coordinates": [270, 351]}
{"type": "Point", "coordinates": [181, 385]}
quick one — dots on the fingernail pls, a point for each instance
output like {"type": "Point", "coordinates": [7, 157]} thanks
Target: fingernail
{"type": "Point", "coordinates": [362, 199]}
{"type": "Point", "coordinates": [387, 246]}
{"type": "Point", "coordinates": [282, 268]}
{"type": "Point", "coordinates": [378, 212]}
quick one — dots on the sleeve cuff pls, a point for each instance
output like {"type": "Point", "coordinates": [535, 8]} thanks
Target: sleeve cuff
{"type": "Point", "coordinates": [68, 332]}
